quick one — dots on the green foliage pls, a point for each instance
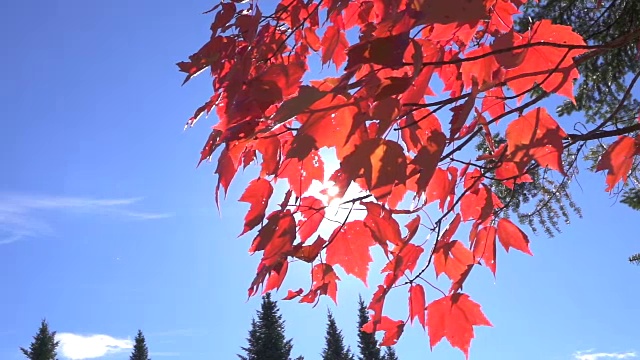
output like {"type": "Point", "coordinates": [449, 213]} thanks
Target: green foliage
{"type": "Point", "coordinates": [390, 354]}
{"type": "Point", "coordinates": [43, 346]}
{"type": "Point", "coordinates": [334, 342]}
{"type": "Point", "coordinates": [367, 342]}
{"type": "Point", "coordinates": [140, 350]}
{"type": "Point", "coordinates": [266, 339]}
{"type": "Point", "coordinates": [631, 197]}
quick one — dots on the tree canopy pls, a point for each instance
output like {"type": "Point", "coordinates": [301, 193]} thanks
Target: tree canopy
{"type": "Point", "coordinates": [429, 114]}
{"type": "Point", "coordinates": [44, 345]}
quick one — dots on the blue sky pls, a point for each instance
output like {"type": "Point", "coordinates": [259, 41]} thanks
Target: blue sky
{"type": "Point", "coordinates": [106, 226]}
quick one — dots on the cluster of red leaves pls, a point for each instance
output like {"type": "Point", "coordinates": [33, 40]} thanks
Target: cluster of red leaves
{"type": "Point", "coordinates": [269, 117]}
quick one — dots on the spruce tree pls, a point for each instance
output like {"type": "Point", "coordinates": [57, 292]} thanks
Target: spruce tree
{"type": "Point", "coordinates": [266, 339]}
{"type": "Point", "coordinates": [390, 354]}
{"type": "Point", "coordinates": [334, 342]}
{"type": "Point", "coordinates": [631, 198]}
{"type": "Point", "coordinates": [140, 350]}
{"type": "Point", "coordinates": [367, 343]}
{"type": "Point", "coordinates": [44, 344]}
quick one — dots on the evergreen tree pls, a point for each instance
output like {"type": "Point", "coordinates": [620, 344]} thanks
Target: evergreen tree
{"type": "Point", "coordinates": [367, 343]}
{"type": "Point", "coordinates": [266, 339]}
{"type": "Point", "coordinates": [334, 342]}
{"type": "Point", "coordinates": [44, 344]}
{"type": "Point", "coordinates": [390, 354]}
{"type": "Point", "coordinates": [140, 351]}
{"type": "Point", "coordinates": [631, 198]}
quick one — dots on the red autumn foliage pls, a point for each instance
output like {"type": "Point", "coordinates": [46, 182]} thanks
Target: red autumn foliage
{"type": "Point", "coordinates": [396, 156]}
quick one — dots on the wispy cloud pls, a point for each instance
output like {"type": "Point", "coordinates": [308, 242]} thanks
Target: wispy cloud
{"type": "Point", "coordinates": [590, 355]}
{"type": "Point", "coordinates": [80, 347]}
{"type": "Point", "coordinates": [21, 214]}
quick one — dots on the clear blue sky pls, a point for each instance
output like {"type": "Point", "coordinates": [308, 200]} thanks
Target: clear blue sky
{"type": "Point", "coordinates": [107, 226]}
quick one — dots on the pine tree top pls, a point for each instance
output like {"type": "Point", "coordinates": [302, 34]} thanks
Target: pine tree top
{"type": "Point", "coordinates": [44, 344]}
{"type": "Point", "coordinates": [367, 342]}
{"type": "Point", "coordinates": [334, 342]}
{"type": "Point", "coordinates": [267, 340]}
{"type": "Point", "coordinates": [140, 350]}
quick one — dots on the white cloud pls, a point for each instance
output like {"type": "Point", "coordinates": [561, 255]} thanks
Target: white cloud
{"type": "Point", "coordinates": [20, 214]}
{"type": "Point", "coordinates": [589, 355]}
{"type": "Point", "coordinates": [79, 347]}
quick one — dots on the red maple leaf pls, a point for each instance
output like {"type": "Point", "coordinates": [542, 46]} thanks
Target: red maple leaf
{"type": "Point", "coordinates": [392, 330]}
{"type": "Point", "coordinates": [334, 46]}
{"type": "Point", "coordinates": [349, 248]}
{"type": "Point", "coordinates": [511, 236]}
{"type": "Point", "coordinates": [484, 247]}
{"type": "Point", "coordinates": [324, 283]}
{"type": "Point", "coordinates": [381, 163]}
{"type": "Point", "coordinates": [312, 211]}
{"type": "Point", "coordinates": [618, 160]}
{"type": "Point", "coordinates": [276, 237]}
{"type": "Point", "coordinates": [535, 136]}
{"type": "Point", "coordinates": [309, 253]}
{"type": "Point", "coordinates": [453, 317]}
{"type": "Point", "coordinates": [257, 194]}
{"type": "Point", "coordinates": [417, 304]}
{"type": "Point", "coordinates": [539, 61]}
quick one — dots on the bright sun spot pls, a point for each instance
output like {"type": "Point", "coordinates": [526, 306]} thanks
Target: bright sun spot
{"type": "Point", "coordinates": [332, 189]}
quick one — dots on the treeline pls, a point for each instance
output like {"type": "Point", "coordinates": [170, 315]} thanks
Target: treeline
{"type": "Point", "coordinates": [44, 346]}
{"type": "Point", "coordinates": [267, 340]}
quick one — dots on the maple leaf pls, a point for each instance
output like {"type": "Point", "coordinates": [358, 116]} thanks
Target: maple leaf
{"type": "Point", "coordinates": [452, 258]}
{"type": "Point", "coordinates": [417, 304]}
{"type": "Point", "coordinates": [453, 11]}
{"type": "Point", "coordinates": [309, 253]}
{"type": "Point", "coordinates": [536, 136]}
{"type": "Point", "coordinates": [269, 148]}
{"type": "Point", "coordinates": [331, 112]}
{"type": "Point", "coordinates": [386, 51]}
{"type": "Point", "coordinates": [405, 258]}
{"type": "Point", "coordinates": [453, 317]}
{"type": "Point", "coordinates": [349, 248]}
{"type": "Point", "coordinates": [334, 45]}
{"type": "Point", "coordinates": [511, 236]}
{"type": "Point", "coordinates": [484, 247]}
{"type": "Point", "coordinates": [307, 96]}
{"type": "Point", "coordinates": [384, 228]}
{"type": "Point", "coordinates": [324, 283]}
{"type": "Point", "coordinates": [276, 276]}
{"type": "Point", "coordinates": [392, 330]}
{"type": "Point", "coordinates": [301, 173]}
{"type": "Point", "coordinates": [493, 101]}
{"type": "Point", "coordinates": [312, 211]}
{"type": "Point", "coordinates": [540, 61]}
{"type": "Point", "coordinates": [461, 113]}
{"type": "Point", "coordinates": [427, 159]}
{"type": "Point", "coordinates": [380, 162]}
{"type": "Point", "coordinates": [226, 170]}
{"type": "Point", "coordinates": [618, 160]}
{"type": "Point", "coordinates": [477, 204]}
{"type": "Point", "coordinates": [293, 294]}
{"type": "Point", "coordinates": [276, 237]}
{"type": "Point", "coordinates": [442, 186]}
{"type": "Point", "coordinates": [257, 194]}
{"type": "Point", "coordinates": [481, 71]}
